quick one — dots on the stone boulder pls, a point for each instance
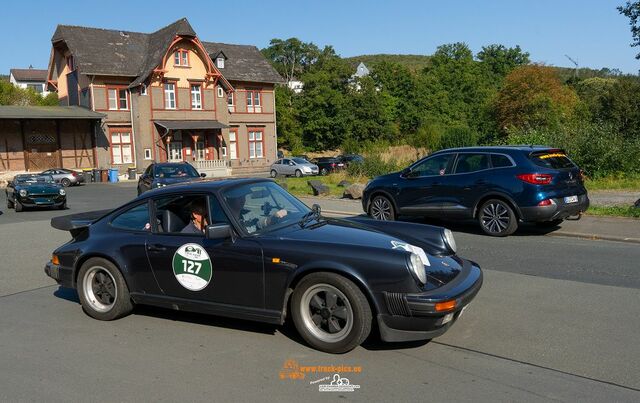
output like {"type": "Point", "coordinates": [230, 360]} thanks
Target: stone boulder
{"type": "Point", "coordinates": [354, 191]}
{"type": "Point", "coordinates": [344, 184]}
{"type": "Point", "coordinates": [318, 188]}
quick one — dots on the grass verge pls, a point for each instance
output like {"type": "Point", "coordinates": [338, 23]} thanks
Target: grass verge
{"type": "Point", "coordinates": [615, 211]}
{"type": "Point", "coordinates": [299, 186]}
{"type": "Point", "coordinates": [614, 183]}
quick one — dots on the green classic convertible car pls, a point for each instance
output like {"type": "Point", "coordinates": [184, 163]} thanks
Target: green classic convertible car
{"type": "Point", "coordinates": [35, 191]}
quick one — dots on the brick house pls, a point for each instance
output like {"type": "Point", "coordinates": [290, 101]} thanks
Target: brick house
{"type": "Point", "coordinates": [168, 96]}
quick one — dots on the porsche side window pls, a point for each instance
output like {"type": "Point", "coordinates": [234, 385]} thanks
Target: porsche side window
{"type": "Point", "coordinates": [434, 166]}
{"type": "Point", "coordinates": [136, 219]}
{"type": "Point", "coordinates": [179, 214]}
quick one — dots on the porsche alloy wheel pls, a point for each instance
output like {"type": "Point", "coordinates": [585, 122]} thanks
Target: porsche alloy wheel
{"type": "Point", "coordinates": [102, 290]}
{"type": "Point", "coordinates": [331, 313]}
{"type": "Point", "coordinates": [497, 218]}
{"type": "Point", "coordinates": [381, 209]}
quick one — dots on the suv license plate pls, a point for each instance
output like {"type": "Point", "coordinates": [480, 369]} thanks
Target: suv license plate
{"type": "Point", "coordinates": [571, 199]}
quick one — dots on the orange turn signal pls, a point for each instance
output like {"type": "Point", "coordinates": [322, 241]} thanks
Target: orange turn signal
{"type": "Point", "coordinates": [55, 259]}
{"type": "Point", "coordinates": [446, 305]}
{"type": "Point", "coordinates": [275, 260]}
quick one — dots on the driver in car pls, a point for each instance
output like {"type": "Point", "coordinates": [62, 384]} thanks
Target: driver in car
{"type": "Point", "coordinates": [252, 224]}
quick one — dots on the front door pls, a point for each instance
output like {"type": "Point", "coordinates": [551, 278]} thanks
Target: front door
{"type": "Point", "coordinates": [189, 266]}
{"type": "Point", "coordinates": [423, 190]}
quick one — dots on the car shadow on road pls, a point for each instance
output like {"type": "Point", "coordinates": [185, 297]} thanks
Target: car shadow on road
{"type": "Point", "coordinates": [68, 294]}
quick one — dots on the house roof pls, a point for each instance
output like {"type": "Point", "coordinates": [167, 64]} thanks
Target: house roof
{"type": "Point", "coordinates": [113, 52]}
{"type": "Point", "coordinates": [29, 74]}
{"type": "Point", "coordinates": [244, 63]}
{"type": "Point", "coordinates": [48, 112]}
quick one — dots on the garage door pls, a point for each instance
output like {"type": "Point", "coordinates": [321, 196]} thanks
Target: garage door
{"type": "Point", "coordinates": [42, 152]}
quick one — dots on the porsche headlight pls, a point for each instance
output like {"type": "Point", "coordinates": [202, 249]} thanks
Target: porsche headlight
{"type": "Point", "coordinates": [23, 192]}
{"type": "Point", "coordinates": [449, 240]}
{"type": "Point", "coordinates": [417, 267]}
{"type": "Point", "coordinates": [62, 192]}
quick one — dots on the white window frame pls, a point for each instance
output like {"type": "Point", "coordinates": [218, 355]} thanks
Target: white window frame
{"type": "Point", "coordinates": [252, 105]}
{"type": "Point", "coordinates": [220, 92]}
{"type": "Point", "coordinates": [181, 56]}
{"type": "Point", "coordinates": [256, 137]}
{"type": "Point", "coordinates": [196, 97]}
{"type": "Point", "coordinates": [147, 154]}
{"type": "Point", "coordinates": [117, 99]}
{"type": "Point", "coordinates": [233, 144]}
{"type": "Point", "coordinates": [231, 107]}
{"type": "Point", "coordinates": [118, 146]}
{"type": "Point", "coordinates": [169, 102]}
{"type": "Point", "coordinates": [143, 89]}
{"type": "Point", "coordinates": [220, 62]}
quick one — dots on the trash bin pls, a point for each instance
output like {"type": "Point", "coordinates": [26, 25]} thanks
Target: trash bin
{"type": "Point", "coordinates": [132, 173]}
{"type": "Point", "coordinates": [88, 175]}
{"type": "Point", "coordinates": [104, 175]}
{"type": "Point", "coordinates": [97, 177]}
{"type": "Point", "coordinates": [113, 174]}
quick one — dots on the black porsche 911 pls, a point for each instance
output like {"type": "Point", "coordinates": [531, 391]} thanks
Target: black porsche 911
{"type": "Point", "coordinates": [245, 248]}
{"type": "Point", "coordinates": [29, 190]}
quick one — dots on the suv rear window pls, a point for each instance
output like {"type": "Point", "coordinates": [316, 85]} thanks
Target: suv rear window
{"type": "Point", "coordinates": [552, 159]}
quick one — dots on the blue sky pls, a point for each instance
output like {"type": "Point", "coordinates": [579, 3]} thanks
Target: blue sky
{"type": "Point", "coordinates": [590, 31]}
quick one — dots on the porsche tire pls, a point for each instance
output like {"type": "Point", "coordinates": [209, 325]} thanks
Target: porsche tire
{"type": "Point", "coordinates": [331, 313]}
{"type": "Point", "coordinates": [103, 293]}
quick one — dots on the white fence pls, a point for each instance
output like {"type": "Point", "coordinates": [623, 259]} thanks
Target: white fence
{"type": "Point", "coordinates": [213, 168]}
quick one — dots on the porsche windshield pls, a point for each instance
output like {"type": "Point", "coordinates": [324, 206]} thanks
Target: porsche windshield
{"type": "Point", "coordinates": [264, 206]}
{"type": "Point", "coordinates": [34, 179]}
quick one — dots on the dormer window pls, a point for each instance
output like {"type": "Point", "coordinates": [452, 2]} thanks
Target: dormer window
{"type": "Point", "coordinates": [220, 62]}
{"type": "Point", "coordinates": [71, 63]}
{"type": "Point", "coordinates": [181, 58]}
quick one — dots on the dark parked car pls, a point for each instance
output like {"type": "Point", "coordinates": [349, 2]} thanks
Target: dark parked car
{"type": "Point", "coordinates": [498, 186]}
{"type": "Point", "coordinates": [167, 173]}
{"type": "Point", "coordinates": [350, 159]}
{"type": "Point", "coordinates": [245, 248]}
{"type": "Point", "coordinates": [326, 165]}
{"type": "Point", "coordinates": [35, 191]}
{"type": "Point", "coordinates": [65, 177]}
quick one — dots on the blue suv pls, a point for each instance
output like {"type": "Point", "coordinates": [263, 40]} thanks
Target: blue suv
{"type": "Point", "coordinates": [498, 186]}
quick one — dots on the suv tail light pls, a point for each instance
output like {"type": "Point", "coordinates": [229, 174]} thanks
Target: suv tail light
{"type": "Point", "coordinates": [546, 202]}
{"type": "Point", "coordinates": [536, 179]}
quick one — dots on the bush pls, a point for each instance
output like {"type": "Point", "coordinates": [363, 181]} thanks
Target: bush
{"type": "Point", "coordinates": [372, 166]}
{"type": "Point", "coordinates": [458, 136]}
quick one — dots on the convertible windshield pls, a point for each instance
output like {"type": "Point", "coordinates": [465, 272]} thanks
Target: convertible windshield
{"type": "Point", "coordinates": [176, 171]}
{"type": "Point", "coordinates": [263, 207]}
{"type": "Point", "coordinates": [33, 179]}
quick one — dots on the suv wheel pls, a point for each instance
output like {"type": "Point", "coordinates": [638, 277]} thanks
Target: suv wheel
{"type": "Point", "coordinates": [497, 218]}
{"type": "Point", "coordinates": [381, 208]}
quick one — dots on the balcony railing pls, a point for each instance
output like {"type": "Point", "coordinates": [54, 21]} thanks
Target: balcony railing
{"type": "Point", "coordinates": [209, 164]}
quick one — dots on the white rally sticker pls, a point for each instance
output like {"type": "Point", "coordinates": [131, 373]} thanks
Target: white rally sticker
{"type": "Point", "coordinates": [412, 248]}
{"type": "Point", "coordinates": [192, 267]}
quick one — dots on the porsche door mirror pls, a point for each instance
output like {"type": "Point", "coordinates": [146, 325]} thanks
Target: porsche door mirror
{"type": "Point", "coordinates": [218, 231]}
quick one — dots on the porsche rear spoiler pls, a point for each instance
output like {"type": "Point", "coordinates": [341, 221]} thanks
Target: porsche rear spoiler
{"type": "Point", "coordinates": [75, 223]}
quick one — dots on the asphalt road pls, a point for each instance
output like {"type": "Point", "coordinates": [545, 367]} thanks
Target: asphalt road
{"type": "Point", "coordinates": [557, 319]}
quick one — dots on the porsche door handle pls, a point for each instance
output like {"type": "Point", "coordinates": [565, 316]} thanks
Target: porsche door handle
{"type": "Point", "coordinates": [156, 248]}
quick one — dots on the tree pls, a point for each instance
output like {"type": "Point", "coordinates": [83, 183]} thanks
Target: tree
{"type": "Point", "coordinates": [291, 57]}
{"type": "Point", "coordinates": [533, 96]}
{"type": "Point", "coordinates": [12, 95]}
{"type": "Point", "coordinates": [500, 60]}
{"type": "Point", "coordinates": [632, 11]}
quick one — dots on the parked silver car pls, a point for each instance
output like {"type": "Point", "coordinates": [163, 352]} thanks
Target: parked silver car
{"type": "Point", "coordinates": [293, 166]}
{"type": "Point", "coordinates": [65, 177]}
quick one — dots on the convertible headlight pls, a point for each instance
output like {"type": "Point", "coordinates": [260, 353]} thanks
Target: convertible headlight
{"type": "Point", "coordinates": [449, 240]}
{"type": "Point", "coordinates": [62, 192]}
{"type": "Point", "coordinates": [23, 192]}
{"type": "Point", "coordinates": [417, 267]}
